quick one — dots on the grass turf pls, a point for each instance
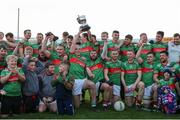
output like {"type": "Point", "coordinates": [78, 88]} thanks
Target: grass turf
{"type": "Point", "coordinates": [85, 112]}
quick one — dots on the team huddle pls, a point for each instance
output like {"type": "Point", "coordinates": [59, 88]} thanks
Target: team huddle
{"type": "Point", "coordinates": [54, 75]}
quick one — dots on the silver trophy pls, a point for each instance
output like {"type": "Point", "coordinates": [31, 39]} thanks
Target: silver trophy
{"type": "Point", "coordinates": [82, 20]}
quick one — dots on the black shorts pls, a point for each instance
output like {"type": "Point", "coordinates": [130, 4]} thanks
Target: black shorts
{"type": "Point", "coordinates": [10, 103]}
{"type": "Point", "coordinates": [31, 103]}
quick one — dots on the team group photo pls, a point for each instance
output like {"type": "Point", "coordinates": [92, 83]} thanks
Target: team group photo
{"type": "Point", "coordinates": [88, 74]}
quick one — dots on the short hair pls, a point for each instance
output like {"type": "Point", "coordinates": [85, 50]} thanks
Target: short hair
{"type": "Point", "coordinates": [85, 35]}
{"type": "Point", "coordinates": [30, 61]}
{"type": "Point", "coordinates": [143, 34]}
{"type": "Point", "coordinates": [49, 64]}
{"type": "Point", "coordinates": [164, 52]}
{"type": "Point", "coordinates": [2, 33]}
{"type": "Point", "coordinates": [105, 33]}
{"type": "Point", "coordinates": [65, 64]}
{"type": "Point", "coordinates": [65, 34]}
{"type": "Point", "coordinates": [3, 47]}
{"type": "Point", "coordinates": [116, 31]}
{"type": "Point", "coordinates": [129, 36]}
{"type": "Point", "coordinates": [11, 57]}
{"type": "Point", "coordinates": [176, 35]}
{"type": "Point", "coordinates": [29, 48]}
{"type": "Point", "coordinates": [93, 36]}
{"type": "Point", "coordinates": [70, 37]}
{"type": "Point", "coordinates": [150, 53]}
{"type": "Point", "coordinates": [9, 34]}
{"type": "Point", "coordinates": [160, 33]}
{"type": "Point", "coordinates": [25, 31]}
{"type": "Point", "coordinates": [61, 45]}
{"type": "Point", "coordinates": [40, 34]}
{"type": "Point", "coordinates": [93, 51]}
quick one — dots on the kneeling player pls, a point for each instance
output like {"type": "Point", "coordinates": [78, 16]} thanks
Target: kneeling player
{"type": "Point", "coordinates": [131, 76]}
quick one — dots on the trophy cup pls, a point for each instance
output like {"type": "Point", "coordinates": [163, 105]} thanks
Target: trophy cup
{"type": "Point", "coordinates": [82, 20]}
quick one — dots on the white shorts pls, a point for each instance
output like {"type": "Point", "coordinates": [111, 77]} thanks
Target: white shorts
{"type": "Point", "coordinates": [116, 90]}
{"type": "Point", "coordinates": [130, 93]}
{"type": "Point", "coordinates": [97, 88]}
{"type": "Point", "coordinates": [41, 102]}
{"type": "Point", "coordinates": [78, 86]}
{"type": "Point", "coordinates": [148, 92]}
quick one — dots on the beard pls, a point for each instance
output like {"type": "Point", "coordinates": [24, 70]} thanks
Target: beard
{"type": "Point", "coordinates": [93, 58]}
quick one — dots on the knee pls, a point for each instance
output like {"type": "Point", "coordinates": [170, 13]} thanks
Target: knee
{"type": "Point", "coordinates": [90, 85]}
{"type": "Point", "coordinates": [41, 110]}
{"type": "Point", "coordinates": [105, 86]}
{"type": "Point", "coordinates": [54, 110]}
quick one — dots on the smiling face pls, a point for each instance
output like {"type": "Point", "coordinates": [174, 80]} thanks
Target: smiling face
{"type": "Point", "coordinates": [159, 37]}
{"type": "Point", "coordinates": [177, 40]}
{"type": "Point", "coordinates": [39, 38]}
{"type": "Point", "coordinates": [27, 34]}
{"type": "Point", "coordinates": [12, 63]}
{"type": "Point", "coordinates": [93, 55]}
{"type": "Point", "coordinates": [150, 58]}
{"type": "Point", "coordinates": [3, 52]}
{"type": "Point", "coordinates": [1, 35]}
{"type": "Point", "coordinates": [127, 41]}
{"type": "Point", "coordinates": [104, 36]}
{"type": "Point", "coordinates": [114, 55]}
{"type": "Point", "coordinates": [32, 66]}
{"type": "Point", "coordinates": [51, 69]}
{"type": "Point", "coordinates": [163, 57]}
{"type": "Point", "coordinates": [69, 41]}
{"type": "Point", "coordinates": [130, 55]}
{"type": "Point", "coordinates": [115, 36]}
{"type": "Point", "coordinates": [77, 50]}
{"type": "Point", "coordinates": [143, 38]}
{"type": "Point", "coordinates": [60, 50]}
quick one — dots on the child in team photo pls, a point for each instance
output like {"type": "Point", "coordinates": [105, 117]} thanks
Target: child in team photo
{"type": "Point", "coordinates": [64, 85]}
{"type": "Point", "coordinates": [12, 78]}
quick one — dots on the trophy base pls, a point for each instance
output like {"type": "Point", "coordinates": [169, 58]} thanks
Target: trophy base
{"type": "Point", "coordinates": [85, 28]}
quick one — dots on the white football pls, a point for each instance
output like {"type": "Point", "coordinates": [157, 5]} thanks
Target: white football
{"type": "Point", "coordinates": [119, 106]}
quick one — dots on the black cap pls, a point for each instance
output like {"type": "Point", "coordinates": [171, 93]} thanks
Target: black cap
{"type": "Point", "coordinates": [168, 71]}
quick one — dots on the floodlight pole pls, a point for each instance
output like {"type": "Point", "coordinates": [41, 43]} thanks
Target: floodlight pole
{"type": "Point", "coordinates": [18, 24]}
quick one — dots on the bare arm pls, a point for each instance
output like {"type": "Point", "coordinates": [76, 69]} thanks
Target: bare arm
{"type": "Point", "coordinates": [106, 74]}
{"type": "Point", "coordinates": [139, 51]}
{"type": "Point", "coordinates": [89, 72]}
{"type": "Point", "coordinates": [138, 78]}
{"type": "Point", "coordinates": [73, 46]}
{"type": "Point", "coordinates": [120, 43]}
{"type": "Point", "coordinates": [155, 76]}
{"type": "Point", "coordinates": [104, 52]}
{"type": "Point", "coordinates": [15, 52]}
{"type": "Point", "coordinates": [21, 77]}
{"type": "Point", "coordinates": [44, 49]}
{"type": "Point", "coordinates": [53, 45]}
{"type": "Point", "coordinates": [5, 78]}
{"type": "Point", "coordinates": [122, 79]}
{"type": "Point", "coordinates": [21, 51]}
{"type": "Point", "coordinates": [89, 35]}
{"type": "Point", "coordinates": [11, 44]}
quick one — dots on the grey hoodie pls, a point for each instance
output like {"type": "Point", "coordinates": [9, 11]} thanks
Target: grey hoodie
{"type": "Point", "coordinates": [31, 85]}
{"type": "Point", "coordinates": [46, 89]}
